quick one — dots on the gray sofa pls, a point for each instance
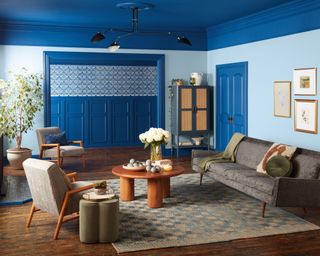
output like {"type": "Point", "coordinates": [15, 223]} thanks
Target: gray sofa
{"type": "Point", "coordinates": [301, 189]}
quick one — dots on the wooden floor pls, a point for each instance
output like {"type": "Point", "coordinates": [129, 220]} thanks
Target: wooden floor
{"type": "Point", "coordinates": [16, 239]}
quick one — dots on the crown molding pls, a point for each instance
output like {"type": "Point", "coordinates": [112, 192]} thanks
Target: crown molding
{"type": "Point", "coordinates": [269, 15]}
{"type": "Point", "coordinates": [294, 17]}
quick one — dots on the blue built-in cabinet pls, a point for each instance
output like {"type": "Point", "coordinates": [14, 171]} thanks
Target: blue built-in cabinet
{"type": "Point", "coordinates": [104, 121]}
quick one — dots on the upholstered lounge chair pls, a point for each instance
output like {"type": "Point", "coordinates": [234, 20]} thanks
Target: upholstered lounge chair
{"type": "Point", "coordinates": [53, 191]}
{"type": "Point", "coordinates": [58, 152]}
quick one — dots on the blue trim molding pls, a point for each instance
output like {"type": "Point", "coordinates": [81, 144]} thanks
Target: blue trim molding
{"type": "Point", "coordinates": [294, 17]}
{"type": "Point", "coordinates": [80, 58]}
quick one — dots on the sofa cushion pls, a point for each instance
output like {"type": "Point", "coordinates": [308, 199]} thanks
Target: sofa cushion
{"type": "Point", "coordinates": [243, 175]}
{"type": "Point", "coordinates": [274, 150]}
{"type": "Point", "coordinates": [221, 168]}
{"type": "Point", "coordinates": [252, 179]}
{"type": "Point", "coordinates": [251, 151]}
{"type": "Point", "coordinates": [279, 166]}
{"type": "Point", "coordinates": [64, 151]}
{"type": "Point", "coordinates": [306, 165]}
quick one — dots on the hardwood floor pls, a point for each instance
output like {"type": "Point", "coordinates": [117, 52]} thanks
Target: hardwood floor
{"type": "Point", "coordinates": [16, 239]}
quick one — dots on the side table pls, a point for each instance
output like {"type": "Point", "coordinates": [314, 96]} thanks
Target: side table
{"type": "Point", "coordinates": [99, 221]}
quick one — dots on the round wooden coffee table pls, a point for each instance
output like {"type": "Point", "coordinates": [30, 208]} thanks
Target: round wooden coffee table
{"type": "Point", "coordinates": [158, 184]}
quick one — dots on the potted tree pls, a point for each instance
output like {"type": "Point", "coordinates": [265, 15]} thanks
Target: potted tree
{"type": "Point", "coordinates": [20, 100]}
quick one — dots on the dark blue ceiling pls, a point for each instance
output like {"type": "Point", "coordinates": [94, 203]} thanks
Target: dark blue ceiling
{"type": "Point", "coordinates": [184, 15]}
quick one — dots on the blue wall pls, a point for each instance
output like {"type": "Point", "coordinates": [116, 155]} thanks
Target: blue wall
{"type": "Point", "coordinates": [269, 61]}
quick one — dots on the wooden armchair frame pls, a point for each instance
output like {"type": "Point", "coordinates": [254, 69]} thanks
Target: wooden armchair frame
{"type": "Point", "coordinates": [62, 218]}
{"type": "Point", "coordinates": [59, 159]}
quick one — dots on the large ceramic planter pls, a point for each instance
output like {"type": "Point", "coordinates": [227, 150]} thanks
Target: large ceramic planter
{"type": "Point", "coordinates": [17, 156]}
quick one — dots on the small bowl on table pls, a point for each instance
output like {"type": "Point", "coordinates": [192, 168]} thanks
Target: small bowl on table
{"type": "Point", "coordinates": [100, 191]}
{"type": "Point", "coordinates": [197, 141]}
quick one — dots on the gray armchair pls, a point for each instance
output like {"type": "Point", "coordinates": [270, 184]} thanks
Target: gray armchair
{"type": "Point", "coordinates": [57, 151]}
{"type": "Point", "coordinates": [53, 191]}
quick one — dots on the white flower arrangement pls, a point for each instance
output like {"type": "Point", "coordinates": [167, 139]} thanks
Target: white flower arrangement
{"type": "Point", "coordinates": [154, 136]}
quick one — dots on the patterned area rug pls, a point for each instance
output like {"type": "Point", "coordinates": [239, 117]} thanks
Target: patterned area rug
{"type": "Point", "coordinates": [197, 215]}
{"type": "Point", "coordinates": [16, 191]}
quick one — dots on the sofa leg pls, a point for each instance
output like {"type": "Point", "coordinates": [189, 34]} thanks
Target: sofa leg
{"type": "Point", "coordinates": [263, 209]}
{"type": "Point", "coordinates": [201, 176]}
{"type": "Point", "coordinates": [304, 211]}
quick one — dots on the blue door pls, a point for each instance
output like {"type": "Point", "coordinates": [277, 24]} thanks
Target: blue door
{"type": "Point", "coordinates": [232, 101]}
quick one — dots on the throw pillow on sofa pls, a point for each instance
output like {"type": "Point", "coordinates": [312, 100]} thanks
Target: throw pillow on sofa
{"type": "Point", "coordinates": [274, 150]}
{"type": "Point", "coordinates": [279, 166]}
{"type": "Point", "coordinates": [59, 138]}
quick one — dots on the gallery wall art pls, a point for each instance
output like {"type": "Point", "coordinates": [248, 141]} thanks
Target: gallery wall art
{"type": "Point", "coordinates": [282, 98]}
{"type": "Point", "coordinates": [305, 81]}
{"type": "Point", "coordinates": [306, 115]}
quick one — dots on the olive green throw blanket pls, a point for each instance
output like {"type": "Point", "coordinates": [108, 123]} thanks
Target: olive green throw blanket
{"type": "Point", "coordinates": [224, 157]}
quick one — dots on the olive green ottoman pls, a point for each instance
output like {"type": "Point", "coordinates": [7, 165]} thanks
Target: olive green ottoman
{"type": "Point", "coordinates": [99, 221]}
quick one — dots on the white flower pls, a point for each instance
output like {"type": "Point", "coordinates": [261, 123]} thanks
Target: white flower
{"type": "Point", "coordinates": [166, 134]}
{"type": "Point", "coordinates": [142, 137]}
{"type": "Point", "coordinates": [149, 138]}
{"type": "Point", "coordinates": [158, 137]}
{"type": "Point", "coordinates": [155, 135]}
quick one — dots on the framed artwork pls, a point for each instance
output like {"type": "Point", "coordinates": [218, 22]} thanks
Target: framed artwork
{"type": "Point", "coordinates": [306, 116]}
{"type": "Point", "coordinates": [305, 81]}
{"type": "Point", "coordinates": [282, 98]}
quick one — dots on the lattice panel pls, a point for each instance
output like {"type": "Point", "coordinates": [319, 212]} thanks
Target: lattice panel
{"type": "Point", "coordinates": [97, 80]}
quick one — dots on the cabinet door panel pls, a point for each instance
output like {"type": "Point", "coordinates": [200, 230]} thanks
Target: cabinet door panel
{"type": "Point", "coordinates": [201, 98]}
{"type": "Point", "coordinates": [186, 98]}
{"type": "Point", "coordinates": [201, 120]}
{"type": "Point", "coordinates": [186, 120]}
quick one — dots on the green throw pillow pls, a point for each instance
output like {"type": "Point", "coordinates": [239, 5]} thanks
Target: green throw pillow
{"type": "Point", "coordinates": [279, 166]}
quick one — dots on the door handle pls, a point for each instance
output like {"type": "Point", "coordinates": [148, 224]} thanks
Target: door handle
{"type": "Point", "coordinates": [230, 119]}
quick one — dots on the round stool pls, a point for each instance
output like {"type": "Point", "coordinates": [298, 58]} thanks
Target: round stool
{"type": "Point", "coordinates": [99, 221]}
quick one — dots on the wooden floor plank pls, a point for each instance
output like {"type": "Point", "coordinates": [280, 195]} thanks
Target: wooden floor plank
{"type": "Point", "coordinates": [16, 239]}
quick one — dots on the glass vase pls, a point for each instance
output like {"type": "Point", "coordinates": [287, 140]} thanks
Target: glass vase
{"type": "Point", "coordinates": [156, 153]}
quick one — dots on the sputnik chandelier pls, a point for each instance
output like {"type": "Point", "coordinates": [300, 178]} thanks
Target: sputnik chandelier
{"type": "Point", "coordinates": [124, 33]}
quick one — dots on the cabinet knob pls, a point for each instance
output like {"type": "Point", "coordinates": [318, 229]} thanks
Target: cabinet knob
{"type": "Point", "coordinates": [194, 109]}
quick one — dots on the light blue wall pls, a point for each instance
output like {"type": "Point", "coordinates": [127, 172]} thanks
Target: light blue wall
{"type": "Point", "coordinates": [269, 61]}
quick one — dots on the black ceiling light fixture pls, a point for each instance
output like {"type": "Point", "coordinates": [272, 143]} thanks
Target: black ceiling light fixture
{"type": "Point", "coordinates": [123, 33]}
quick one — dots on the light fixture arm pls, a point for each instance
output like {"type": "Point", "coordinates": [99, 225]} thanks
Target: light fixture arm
{"type": "Point", "coordinates": [135, 8]}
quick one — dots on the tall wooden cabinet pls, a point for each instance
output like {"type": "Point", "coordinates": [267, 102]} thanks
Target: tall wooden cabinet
{"type": "Point", "coordinates": [190, 115]}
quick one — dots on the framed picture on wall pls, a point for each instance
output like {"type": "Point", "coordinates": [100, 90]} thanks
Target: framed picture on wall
{"type": "Point", "coordinates": [305, 81]}
{"type": "Point", "coordinates": [306, 116]}
{"type": "Point", "coordinates": [282, 98]}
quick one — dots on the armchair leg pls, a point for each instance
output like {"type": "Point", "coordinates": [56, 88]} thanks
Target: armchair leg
{"type": "Point", "coordinates": [201, 176]}
{"type": "Point", "coordinates": [32, 210]}
{"type": "Point", "coordinates": [41, 153]}
{"type": "Point", "coordinates": [61, 215]}
{"type": "Point", "coordinates": [263, 209]}
{"type": "Point", "coordinates": [83, 161]}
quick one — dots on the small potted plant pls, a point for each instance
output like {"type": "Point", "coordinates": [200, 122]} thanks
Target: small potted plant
{"type": "Point", "coordinates": [177, 81]}
{"type": "Point", "coordinates": [20, 100]}
{"type": "Point", "coordinates": [100, 188]}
